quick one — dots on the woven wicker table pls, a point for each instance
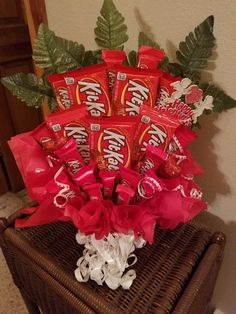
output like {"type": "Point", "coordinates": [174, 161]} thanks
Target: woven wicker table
{"type": "Point", "coordinates": [176, 274]}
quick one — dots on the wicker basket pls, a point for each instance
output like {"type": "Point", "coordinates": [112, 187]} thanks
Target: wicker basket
{"type": "Point", "coordinates": [176, 274]}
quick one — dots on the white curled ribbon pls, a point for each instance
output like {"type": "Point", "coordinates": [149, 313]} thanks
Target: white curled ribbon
{"type": "Point", "coordinates": [61, 199]}
{"type": "Point", "coordinates": [106, 260]}
{"type": "Point", "coordinates": [153, 184]}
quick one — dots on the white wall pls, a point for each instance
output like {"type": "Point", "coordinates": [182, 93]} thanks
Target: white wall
{"type": "Point", "coordinates": [169, 22]}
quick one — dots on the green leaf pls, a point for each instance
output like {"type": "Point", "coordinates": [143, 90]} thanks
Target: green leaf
{"type": "Point", "coordinates": [89, 58]}
{"type": "Point", "coordinates": [74, 50]}
{"type": "Point", "coordinates": [193, 75]}
{"type": "Point", "coordinates": [221, 100]}
{"type": "Point", "coordinates": [26, 88]}
{"type": "Point", "coordinates": [197, 47]}
{"type": "Point", "coordinates": [175, 69]}
{"type": "Point", "coordinates": [111, 32]}
{"type": "Point", "coordinates": [143, 39]}
{"type": "Point", "coordinates": [52, 104]}
{"type": "Point", "coordinates": [164, 64]}
{"type": "Point", "coordinates": [132, 58]}
{"type": "Point", "coordinates": [56, 53]}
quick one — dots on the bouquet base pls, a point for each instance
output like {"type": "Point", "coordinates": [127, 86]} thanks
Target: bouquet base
{"type": "Point", "coordinates": [106, 260]}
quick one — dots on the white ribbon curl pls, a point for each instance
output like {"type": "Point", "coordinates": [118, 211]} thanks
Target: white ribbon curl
{"type": "Point", "coordinates": [60, 200]}
{"type": "Point", "coordinates": [105, 260]}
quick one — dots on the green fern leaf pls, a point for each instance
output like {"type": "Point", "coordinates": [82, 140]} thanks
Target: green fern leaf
{"type": "Point", "coordinates": [111, 30]}
{"type": "Point", "coordinates": [193, 75]}
{"type": "Point", "coordinates": [197, 47]}
{"type": "Point", "coordinates": [143, 39]}
{"type": "Point", "coordinates": [58, 54]}
{"type": "Point", "coordinates": [74, 50]}
{"type": "Point", "coordinates": [89, 58]}
{"type": "Point", "coordinates": [132, 58]}
{"type": "Point", "coordinates": [52, 104]}
{"type": "Point", "coordinates": [221, 100]}
{"type": "Point", "coordinates": [175, 69]}
{"type": "Point", "coordinates": [26, 88]}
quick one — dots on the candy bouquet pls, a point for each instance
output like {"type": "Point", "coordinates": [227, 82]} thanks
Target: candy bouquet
{"type": "Point", "coordinates": [113, 159]}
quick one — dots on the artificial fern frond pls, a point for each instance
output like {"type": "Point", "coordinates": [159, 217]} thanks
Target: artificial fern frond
{"type": "Point", "coordinates": [74, 50]}
{"type": "Point", "coordinates": [111, 32]}
{"type": "Point", "coordinates": [58, 54]}
{"type": "Point", "coordinates": [143, 39]}
{"type": "Point", "coordinates": [27, 88]}
{"type": "Point", "coordinates": [221, 100]}
{"type": "Point", "coordinates": [197, 47]}
{"type": "Point", "coordinates": [132, 58]}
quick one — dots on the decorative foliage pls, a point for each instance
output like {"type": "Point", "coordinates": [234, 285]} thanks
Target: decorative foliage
{"type": "Point", "coordinates": [26, 88]}
{"type": "Point", "coordinates": [111, 30]}
{"type": "Point", "coordinates": [197, 47]}
{"type": "Point", "coordinates": [132, 58]}
{"type": "Point", "coordinates": [221, 101]}
{"type": "Point", "coordinates": [56, 53]}
{"type": "Point", "coordinates": [143, 39]}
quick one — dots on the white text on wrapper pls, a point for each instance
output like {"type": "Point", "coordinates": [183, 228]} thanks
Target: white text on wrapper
{"type": "Point", "coordinates": [92, 92]}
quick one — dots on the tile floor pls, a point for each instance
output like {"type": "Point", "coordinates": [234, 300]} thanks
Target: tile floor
{"type": "Point", "coordinates": [10, 298]}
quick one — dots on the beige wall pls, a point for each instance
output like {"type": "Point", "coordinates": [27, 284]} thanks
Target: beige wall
{"type": "Point", "coordinates": [170, 21]}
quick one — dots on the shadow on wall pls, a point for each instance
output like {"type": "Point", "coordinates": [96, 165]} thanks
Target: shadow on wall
{"type": "Point", "coordinates": [213, 181]}
{"type": "Point", "coordinates": [224, 297]}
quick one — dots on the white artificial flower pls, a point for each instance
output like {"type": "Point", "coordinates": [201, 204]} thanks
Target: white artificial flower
{"type": "Point", "coordinates": [200, 106]}
{"type": "Point", "coordinates": [181, 88]}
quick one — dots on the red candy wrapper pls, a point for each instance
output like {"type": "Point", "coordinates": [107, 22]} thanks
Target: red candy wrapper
{"type": "Point", "coordinates": [124, 194]}
{"type": "Point", "coordinates": [89, 87]}
{"type": "Point", "coordinates": [61, 91]}
{"type": "Point", "coordinates": [134, 88]}
{"type": "Point", "coordinates": [129, 177]}
{"type": "Point", "coordinates": [108, 179]}
{"type": "Point", "coordinates": [85, 176]}
{"type": "Point", "coordinates": [152, 159]}
{"type": "Point", "coordinates": [72, 123]}
{"type": "Point", "coordinates": [42, 134]}
{"type": "Point", "coordinates": [94, 191]}
{"type": "Point", "coordinates": [112, 142]}
{"type": "Point", "coordinates": [154, 129]}
{"type": "Point", "coordinates": [69, 154]}
{"type": "Point", "coordinates": [165, 89]}
{"type": "Point", "coordinates": [111, 58]}
{"type": "Point", "coordinates": [149, 57]}
{"type": "Point", "coordinates": [183, 135]}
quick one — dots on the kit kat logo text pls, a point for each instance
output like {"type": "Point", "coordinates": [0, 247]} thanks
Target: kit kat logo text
{"type": "Point", "coordinates": [115, 149]}
{"type": "Point", "coordinates": [155, 136]}
{"type": "Point", "coordinates": [92, 95]}
{"type": "Point", "coordinates": [63, 97]}
{"type": "Point", "coordinates": [74, 165]}
{"type": "Point", "coordinates": [161, 100]}
{"type": "Point", "coordinates": [80, 134]}
{"type": "Point", "coordinates": [138, 94]}
{"type": "Point", "coordinates": [147, 164]}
